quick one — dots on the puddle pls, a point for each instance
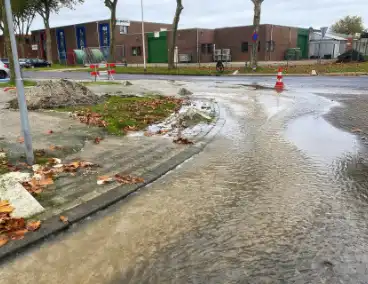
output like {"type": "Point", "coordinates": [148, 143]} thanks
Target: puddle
{"type": "Point", "coordinates": [319, 139]}
{"type": "Point", "coordinates": [274, 104]}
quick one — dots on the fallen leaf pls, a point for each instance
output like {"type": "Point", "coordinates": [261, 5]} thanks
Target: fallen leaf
{"type": "Point", "coordinates": [6, 209]}
{"type": "Point", "coordinates": [98, 140]}
{"type": "Point", "coordinates": [87, 164]}
{"type": "Point", "coordinates": [54, 161]}
{"type": "Point", "coordinates": [14, 224]}
{"type": "Point", "coordinates": [33, 225]}
{"type": "Point", "coordinates": [50, 132]}
{"type": "Point", "coordinates": [75, 165]}
{"type": "Point", "coordinates": [104, 180]}
{"type": "Point", "coordinates": [4, 203]}
{"type": "Point", "coordinates": [356, 130]}
{"type": "Point", "coordinates": [128, 179]}
{"type": "Point", "coordinates": [64, 219]}
{"type": "Point", "coordinates": [184, 141]}
{"type": "Point", "coordinates": [18, 235]}
{"type": "Point", "coordinates": [3, 240]}
{"type": "Point", "coordinates": [46, 181]}
{"type": "Point", "coordinates": [20, 140]}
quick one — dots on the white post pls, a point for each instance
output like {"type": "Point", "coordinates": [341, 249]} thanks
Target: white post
{"type": "Point", "coordinates": [20, 87]}
{"type": "Point", "coordinates": [143, 40]}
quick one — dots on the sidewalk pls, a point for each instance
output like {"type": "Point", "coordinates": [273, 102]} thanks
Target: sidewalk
{"type": "Point", "coordinates": [78, 195]}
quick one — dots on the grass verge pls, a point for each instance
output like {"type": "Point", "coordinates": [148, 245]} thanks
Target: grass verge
{"type": "Point", "coordinates": [307, 69]}
{"type": "Point", "coordinates": [25, 82]}
{"type": "Point", "coordinates": [120, 114]}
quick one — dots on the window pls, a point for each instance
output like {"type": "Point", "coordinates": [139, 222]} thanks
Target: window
{"type": "Point", "coordinates": [123, 30]}
{"type": "Point", "coordinates": [206, 48]}
{"type": "Point", "coordinates": [244, 46]}
{"type": "Point", "coordinates": [136, 51]}
{"type": "Point", "coordinates": [27, 41]}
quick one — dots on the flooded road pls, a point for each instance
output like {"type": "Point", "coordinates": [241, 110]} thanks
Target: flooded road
{"type": "Point", "coordinates": [268, 201]}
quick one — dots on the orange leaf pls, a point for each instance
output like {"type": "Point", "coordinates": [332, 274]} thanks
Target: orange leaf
{"type": "Point", "coordinates": [64, 219]}
{"type": "Point", "coordinates": [98, 140]}
{"type": "Point", "coordinates": [3, 240]}
{"type": "Point", "coordinates": [75, 165]}
{"type": "Point", "coordinates": [6, 209]}
{"type": "Point", "coordinates": [18, 235]}
{"type": "Point", "coordinates": [20, 140]}
{"type": "Point", "coordinates": [33, 225]}
{"type": "Point", "coordinates": [4, 203]}
{"type": "Point", "coordinates": [104, 179]}
{"type": "Point", "coordinates": [47, 181]}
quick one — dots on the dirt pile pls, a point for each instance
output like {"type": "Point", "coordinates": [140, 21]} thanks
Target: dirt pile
{"type": "Point", "coordinates": [53, 94]}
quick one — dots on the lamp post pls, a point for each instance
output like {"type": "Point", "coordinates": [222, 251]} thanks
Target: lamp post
{"type": "Point", "coordinates": [20, 87]}
{"type": "Point", "coordinates": [143, 39]}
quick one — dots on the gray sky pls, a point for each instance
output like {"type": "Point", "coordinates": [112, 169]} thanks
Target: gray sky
{"type": "Point", "coordinates": [218, 13]}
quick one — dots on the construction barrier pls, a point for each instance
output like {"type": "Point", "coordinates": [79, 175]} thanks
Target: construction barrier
{"type": "Point", "coordinates": [107, 74]}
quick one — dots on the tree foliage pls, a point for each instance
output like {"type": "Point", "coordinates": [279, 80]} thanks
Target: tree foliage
{"type": "Point", "coordinates": [45, 8]}
{"type": "Point", "coordinates": [349, 25]}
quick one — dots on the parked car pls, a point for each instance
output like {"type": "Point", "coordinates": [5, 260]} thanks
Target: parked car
{"type": "Point", "coordinates": [351, 55]}
{"type": "Point", "coordinates": [4, 71]}
{"type": "Point", "coordinates": [23, 63]}
{"type": "Point", "coordinates": [32, 63]}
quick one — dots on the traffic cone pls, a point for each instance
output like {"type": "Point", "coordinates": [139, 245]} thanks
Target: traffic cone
{"type": "Point", "coordinates": [279, 83]}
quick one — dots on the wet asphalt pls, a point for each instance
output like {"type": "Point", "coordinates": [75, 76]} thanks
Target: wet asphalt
{"type": "Point", "coordinates": [275, 198]}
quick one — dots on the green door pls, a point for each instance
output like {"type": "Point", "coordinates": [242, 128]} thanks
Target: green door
{"type": "Point", "coordinates": [157, 47]}
{"type": "Point", "coordinates": [303, 42]}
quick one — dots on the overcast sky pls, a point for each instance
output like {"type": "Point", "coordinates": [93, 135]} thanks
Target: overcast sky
{"type": "Point", "coordinates": [218, 13]}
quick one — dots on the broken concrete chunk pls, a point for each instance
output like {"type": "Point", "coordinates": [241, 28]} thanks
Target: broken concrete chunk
{"type": "Point", "coordinates": [11, 189]}
{"type": "Point", "coordinates": [184, 92]}
{"type": "Point", "coordinates": [127, 83]}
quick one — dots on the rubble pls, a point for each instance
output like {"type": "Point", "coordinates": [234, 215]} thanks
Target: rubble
{"type": "Point", "coordinates": [53, 94]}
{"type": "Point", "coordinates": [184, 92]}
{"type": "Point", "coordinates": [127, 83]}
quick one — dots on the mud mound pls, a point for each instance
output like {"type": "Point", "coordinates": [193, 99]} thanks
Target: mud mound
{"type": "Point", "coordinates": [53, 94]}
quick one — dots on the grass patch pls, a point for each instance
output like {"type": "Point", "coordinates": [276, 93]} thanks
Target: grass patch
{"type": "Point", "coordinates": [183, 71]}
{"type": "Point", "coordinates": [307, 69]}
{"type": "Point", "coordinates": [127, 113]}
{"type": "Point", "coordinates": [4, 166]}
{"type": "Point", "coordinates": [26, 83]}
{"type": "Point", "coordinates": [56, 67]}
{"type": "Point", "coordinates": [100, 83]}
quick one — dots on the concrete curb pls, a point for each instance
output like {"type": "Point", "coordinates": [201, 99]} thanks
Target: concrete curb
{"type": "Point", "coordinates": [54, 225]}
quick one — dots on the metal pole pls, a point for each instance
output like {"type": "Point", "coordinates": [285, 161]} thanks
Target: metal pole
{"type": "Point", "coordinates": [20, 88]}
{"type": "Point", "coordinates": [143, 40]}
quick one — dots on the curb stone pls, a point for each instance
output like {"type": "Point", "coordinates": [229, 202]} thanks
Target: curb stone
{"type": "Point", "coordinates": [54, 226]}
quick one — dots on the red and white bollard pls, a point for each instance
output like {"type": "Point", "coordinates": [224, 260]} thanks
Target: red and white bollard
{"type": "Point", "coordinates": [279, 83]}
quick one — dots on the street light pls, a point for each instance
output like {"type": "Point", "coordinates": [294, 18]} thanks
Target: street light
{"type": "Point", "coordinates": [20, 88]}
{"type": "Point", "coordinates": [143, 39]}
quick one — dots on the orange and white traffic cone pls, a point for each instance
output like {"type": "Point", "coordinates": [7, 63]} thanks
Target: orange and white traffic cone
{"type": "Point", "coordinates": [279, 83]}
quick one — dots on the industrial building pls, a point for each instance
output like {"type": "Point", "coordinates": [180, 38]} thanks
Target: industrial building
{"type": "Point", "coordinates": [88, 42]}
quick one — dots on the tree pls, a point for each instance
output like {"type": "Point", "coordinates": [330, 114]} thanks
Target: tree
{"type": "Point", "coordinates": [111, 4]}
{"type": "Point", "coordinates": [349, 25]}
{"type": "Point", "coordinates": [256, 22]}
{"type": "Point", "coordinates": [23, 15]}
{"type": "Point", "coordinates": [172, 43]}
{"type": "Point", "coordinates": [45, 8]}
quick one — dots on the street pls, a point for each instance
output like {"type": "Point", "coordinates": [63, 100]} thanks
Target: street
{"type": "Point", "coordinates": [277, 197]}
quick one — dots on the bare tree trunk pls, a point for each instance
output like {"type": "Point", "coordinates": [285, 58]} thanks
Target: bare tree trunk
{"type": "Point", "coordinates": [179, 8]}
{"type": "Point", "coordinates": [256, 22]}
{"type": "Point", "coordinates": [112, 33]}
{"type": "Point", "coordinates": [21, 42]}
{"type": "Point", "coordinates": [48, 41]}
{"type": "Point", "coordinates": [8, 50]}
